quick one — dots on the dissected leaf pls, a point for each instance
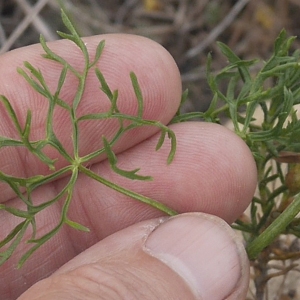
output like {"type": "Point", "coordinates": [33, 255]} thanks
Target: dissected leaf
{"type": "Point", "coordinates": [63, 162]}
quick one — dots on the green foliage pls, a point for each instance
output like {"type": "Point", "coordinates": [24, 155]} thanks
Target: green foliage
{"type": "Point", "coordinates": [76, 164]}
{"type": "Point", "coordinates": [274, 90]}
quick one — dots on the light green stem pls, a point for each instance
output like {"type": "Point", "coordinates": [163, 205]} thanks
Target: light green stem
{"type": "Point", "coordinates": [129, 193]}
{"type": "Point", "coordinates": [276, 228]}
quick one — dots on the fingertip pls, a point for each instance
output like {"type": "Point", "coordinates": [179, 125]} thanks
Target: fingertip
{"type": "Point", "coordinates": [157, 72]}
{"type": "Point", "coordinates": [215, 168]}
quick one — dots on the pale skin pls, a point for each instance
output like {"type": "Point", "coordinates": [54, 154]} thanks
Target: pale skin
{"type": "Point", "coordinates": [213, 172]}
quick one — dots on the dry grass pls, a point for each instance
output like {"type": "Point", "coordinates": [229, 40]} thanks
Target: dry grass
{"type": "Point", "coordinates": [187, 28]}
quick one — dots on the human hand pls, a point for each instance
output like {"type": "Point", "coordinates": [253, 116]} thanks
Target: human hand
{"type": "Point", "coordinates": [132, 251]}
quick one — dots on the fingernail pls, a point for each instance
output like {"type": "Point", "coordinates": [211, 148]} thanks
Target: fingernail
{"type": "Point", "coordinates": [204, 251]}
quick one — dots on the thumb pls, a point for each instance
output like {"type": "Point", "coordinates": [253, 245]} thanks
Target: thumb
{"type": "Point", "coordinates": [190, 256]}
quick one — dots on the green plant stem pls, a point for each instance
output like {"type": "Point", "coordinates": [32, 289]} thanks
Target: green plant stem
{"type": "Point", "coordinates": [128, 193]}
{"type": "Point", "coordinates": [276, 228]}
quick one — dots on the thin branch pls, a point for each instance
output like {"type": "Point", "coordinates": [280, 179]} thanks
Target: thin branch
{"type": "Point", "coordinates": [236, 9]}
{"type": "Point", "coordinates": [23, 25]}
{"type": "Point", "coordinates": [40, 25]}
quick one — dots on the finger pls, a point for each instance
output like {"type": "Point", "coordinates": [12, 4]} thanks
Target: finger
{"type": "Point", "coordinates": [191, 256]}
{"type": "Point", "coordinates": [157, 74]}
{"type": "Point", "coordinates": [213, 171]}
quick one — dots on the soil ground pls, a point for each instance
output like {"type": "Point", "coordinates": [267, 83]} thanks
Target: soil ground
{"type": "Point", "coordinates": [188, 29]}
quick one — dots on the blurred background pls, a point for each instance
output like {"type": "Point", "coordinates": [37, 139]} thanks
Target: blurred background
{"type": "Point", "coordinates": [187, 28]}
